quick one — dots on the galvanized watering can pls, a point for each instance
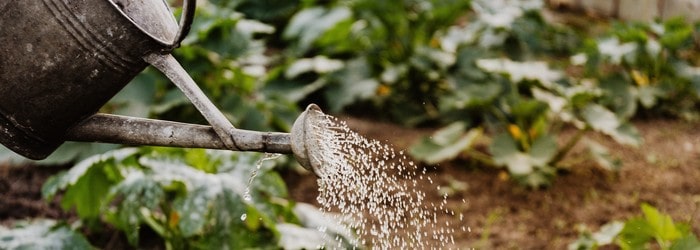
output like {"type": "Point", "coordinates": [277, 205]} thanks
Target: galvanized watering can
{"type": "Point", "coordinates": [61, 60]}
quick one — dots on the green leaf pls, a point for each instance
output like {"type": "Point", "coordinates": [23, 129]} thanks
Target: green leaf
{"type": "Point", "coordinates": [309, 24]}
{"type": "Point", "coordinates": [505, 152]}
{"type": "Point", "coordinates": [502, 148]}
{"type": "Point", "coordinates": [605, 121]}
{"type": "Point", "coordinates": [603, 157]}
{"type": "Point", "coordinates": [445, 144]}
{"type": "Point", "coordinates": [608, 233]}
{"type": "Point", "coordinates": [472, 96]}
{"type": "Point", "coordinates": [62, 181]}
{"type": "Point", "coordinates": [87, 194]}
{"type": "Point", "coordinates": [41, 234]}
{"type": "Point", "coordinates": [635, 235]}
{"type": "Point", "coordinates": [296, 237]}
{"type": "Point", "coordinates": [648, 96]}
{"type": "Point", "coordinates": [543, 149]}
{"type": "Point", "coordinates": [620, 95]}
{"type": "Point", "coordinates": [136, 192]}
{"type": "Point", "coordinates": [662, 224]}
{"type": "Point", "coordinates": [600, 118]}
{"type": "Point", "coordinates": [689, 242]}
{"type": "Point", "coordinates": [351, 84]}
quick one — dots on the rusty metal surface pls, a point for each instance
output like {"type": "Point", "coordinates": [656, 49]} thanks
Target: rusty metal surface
{"type": "Point", "coordinates": [61, 61]}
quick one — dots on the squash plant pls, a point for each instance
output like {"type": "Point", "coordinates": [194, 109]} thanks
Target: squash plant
{"type": "Point", "coordinates": [647, 67]}
{"type": "Point", "coordinates": [519, 106]}
{"type": "Point", "coordinates": [191, 198]}
{"type": "Point", "coordinates": [652, 230]}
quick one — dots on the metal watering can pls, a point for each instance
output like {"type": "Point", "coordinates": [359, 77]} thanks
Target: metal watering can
{"type": "Point", "coordinates": [61, 60]}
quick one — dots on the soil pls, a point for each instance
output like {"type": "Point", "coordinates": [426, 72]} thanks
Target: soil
{"type": "Point", "coordinates": [499, 213]}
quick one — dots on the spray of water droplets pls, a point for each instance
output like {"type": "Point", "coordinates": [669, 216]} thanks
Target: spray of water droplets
{"type": "Point", "coordinates": [377, 191]}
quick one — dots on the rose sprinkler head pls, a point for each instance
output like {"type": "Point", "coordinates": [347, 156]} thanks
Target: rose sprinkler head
{"type": "Point", "coordinates": [306, 139]}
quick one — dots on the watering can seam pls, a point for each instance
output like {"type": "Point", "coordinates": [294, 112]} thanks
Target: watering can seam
{"type": "Point", "coordinates": [81, 33]}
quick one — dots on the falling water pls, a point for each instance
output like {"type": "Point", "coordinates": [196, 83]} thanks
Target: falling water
{"type": "Point", "coordinates": [246, 195]}
{"type": "Point", "coordinates": [378, 189]}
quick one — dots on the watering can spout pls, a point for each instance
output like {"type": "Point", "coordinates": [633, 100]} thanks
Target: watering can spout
{"type": "Point", "coordinates": [127, 130]}
{"type": "Point", "coordinates": [63, 60]}
{"type": "Point", "coordinates": [303, 141]}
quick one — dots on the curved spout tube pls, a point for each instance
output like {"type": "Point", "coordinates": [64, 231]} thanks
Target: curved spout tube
{"type": "Point", "coordinates": [141, 131]}
{"type": "Point", "coordinates": [174, 71]}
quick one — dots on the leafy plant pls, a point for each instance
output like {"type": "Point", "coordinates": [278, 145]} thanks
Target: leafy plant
{"type": "Point", "coordinates": [389, 58]}
{"type": "Point", "coordinates": [41, 234]}
{"type": "Point", "coordinates": [652, 230]}
{"type": "Point", "coordinates": [530, 105]}
{"type": "Point", "coordinates": [190, 198]}
{"type": "Point", "coordinates": [646, 66]}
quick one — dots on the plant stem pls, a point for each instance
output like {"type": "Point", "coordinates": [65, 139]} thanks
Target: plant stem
{"type": "Point", "coordinates": [568, 146]}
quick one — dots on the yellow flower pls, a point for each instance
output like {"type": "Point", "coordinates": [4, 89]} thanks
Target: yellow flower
{"type": "Point", "coordinates": [640, 78]}
{"type": "Point", "coordinates": [174, 219]}
{"type": "Point", "coordinates": [383, 90]}
{"type": "Point", "coordinates": [515, 131]}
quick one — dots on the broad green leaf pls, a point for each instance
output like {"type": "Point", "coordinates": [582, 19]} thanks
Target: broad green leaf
{"type": "Point", "coordinates": [688, 242]}
{"type": "Point", "coordinates": [312, 217]}
{"type": "Point", "coordinates": [502, 148]}
{"type": "Point", "coordinates": [62, 181]}
{"type": "Point", "coordinates": [605, 121]}
{"type": "Point", "coordinates": [635, 235]}
{"type": "Point", "coordinates": [602, 156]}
{"type": "Point", "coordinates": [616, 51]}
{"type": "Point", "coordinates": [505, 152]}
{"type": "Point", "coordinates": [318, 64]}
{"type": "Point", "coordinates": [296, 237]}
{"type": "Point", "coordinates": [309, 24]}
{"type": "Point", "coordinates": [541, 177]}
{"type": "Point", "coordinates": [520, 71]}
{"type": "Point", "coordinates": [556, 103]}
{"type": "Point", "coordinates": [445, 143]}
{"type": "Point", "coordinates": [648, 96]}
{"type": "Point", "coordinates": [472, 96]}
{"type": "Point", "coordinates": [351, 84]}
{"type": "Point", "coordinates": [627, 134]}
{"type": "Point", "coordinates": [600, 118]}
{"type": "Point", "coordinates": [543, 149]}
{"type": "Point", "coordinates": [608, 233]}
{"type": "Point", "coordinates": [519, 164]}
{"type": "Point", "coordinates": [620, 95]}
{"type": "Point", "coordinates": [662, 224]}
{"type": "Point", "coordinates": [41, 234]}
{"type": "Point", "coordinates": [87, 194]}
{"type": "Point", "coordinates": [136, 192]}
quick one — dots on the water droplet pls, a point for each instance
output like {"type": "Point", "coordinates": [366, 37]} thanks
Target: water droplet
{"type": "Point", "coordinates": [361, 182]}
{"type": "Point", "coordinates": [244, 216]}
{"type": "Point", "coordinates": [268, 156]}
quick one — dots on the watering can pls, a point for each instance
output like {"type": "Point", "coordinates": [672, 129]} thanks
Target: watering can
{"type": "Point", "coordinates": [61, 60]}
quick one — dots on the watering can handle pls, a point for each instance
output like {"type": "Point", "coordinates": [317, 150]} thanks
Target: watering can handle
{"type": "Point", "coordinates": [186, 18]}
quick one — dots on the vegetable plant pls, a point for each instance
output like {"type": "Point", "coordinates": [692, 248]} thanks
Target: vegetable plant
{"type": "Point", "coordinates": [652, 230]}
{"type": "Point", "coordinates": [190, 198]}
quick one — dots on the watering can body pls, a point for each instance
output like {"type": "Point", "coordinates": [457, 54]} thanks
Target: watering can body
{"type": "Point", "coordinates": [61, 60]}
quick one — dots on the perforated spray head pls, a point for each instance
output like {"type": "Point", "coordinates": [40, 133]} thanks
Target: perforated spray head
{"type": "Point", "coordinates": [306, 139]}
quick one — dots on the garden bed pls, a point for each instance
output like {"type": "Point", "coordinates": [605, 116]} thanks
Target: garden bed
{"type": "Point", "coordinates": [500, 213]}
